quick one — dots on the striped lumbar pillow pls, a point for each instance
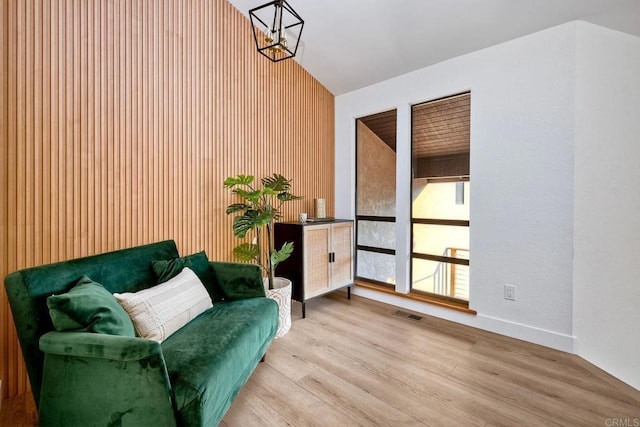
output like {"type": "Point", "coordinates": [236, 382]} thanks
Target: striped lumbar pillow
{"type": "Point", "coordinates": [159, 311]}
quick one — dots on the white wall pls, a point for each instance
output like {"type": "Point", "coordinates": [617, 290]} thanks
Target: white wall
{"type": "Point", "coordinates": [607, 201]}
{"type": "Point", "coordinates": [521, 176]}
{"type": "Point", "coordinates": [555, 164]}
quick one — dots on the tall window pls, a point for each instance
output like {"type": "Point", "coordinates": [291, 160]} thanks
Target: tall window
{"type": "Point", "coordinates": [440, 144]}
{"type": "Point", "coordinates": [376, 198]}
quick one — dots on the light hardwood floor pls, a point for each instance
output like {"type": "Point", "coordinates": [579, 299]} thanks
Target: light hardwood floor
{"type": "Point", "coordinates": [358, 363]}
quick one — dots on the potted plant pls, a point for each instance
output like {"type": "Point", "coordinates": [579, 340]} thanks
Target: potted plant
{"type": "Point", "coordinates": [257, 212]}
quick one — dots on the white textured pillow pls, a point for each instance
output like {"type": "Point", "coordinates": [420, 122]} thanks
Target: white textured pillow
{"type": "Point", "coordinates": [159, 311]}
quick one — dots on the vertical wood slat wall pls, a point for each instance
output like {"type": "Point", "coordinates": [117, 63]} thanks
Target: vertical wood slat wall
{"type": "Point", "coordinates": [119, 120]}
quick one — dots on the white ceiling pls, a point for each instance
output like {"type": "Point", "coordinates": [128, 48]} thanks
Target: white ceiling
{"type": "Point", "coordinates": [349, 44]}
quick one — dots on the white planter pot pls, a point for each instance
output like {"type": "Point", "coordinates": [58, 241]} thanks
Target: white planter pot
{"type": "Point", "coordinates": [281, 293]}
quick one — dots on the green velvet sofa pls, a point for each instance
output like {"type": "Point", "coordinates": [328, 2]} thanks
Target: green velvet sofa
{"type": "Point", "coordinates": [190, 379]}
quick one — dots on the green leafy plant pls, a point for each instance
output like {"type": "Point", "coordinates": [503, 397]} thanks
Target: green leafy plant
{"type": "Point", "coordinates": [259, 208]}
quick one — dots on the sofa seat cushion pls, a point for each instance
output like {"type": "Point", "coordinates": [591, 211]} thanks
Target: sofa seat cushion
{"type": "Point", "coordinates": [211, 357]}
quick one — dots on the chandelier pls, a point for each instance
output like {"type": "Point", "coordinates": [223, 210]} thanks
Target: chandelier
{"type": "Point", "coordinates": [276, 30]}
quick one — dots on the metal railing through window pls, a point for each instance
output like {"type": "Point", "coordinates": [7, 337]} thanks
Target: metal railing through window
{"type": "Point", "coordinates": [449, 279]}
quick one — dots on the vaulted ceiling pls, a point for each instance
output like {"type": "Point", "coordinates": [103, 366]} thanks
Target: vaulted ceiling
{"type": "Point", "coordinates": [350, 44]}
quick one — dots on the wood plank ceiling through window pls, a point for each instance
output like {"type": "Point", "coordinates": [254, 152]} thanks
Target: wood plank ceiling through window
{"type": "Point", "coordinates": [441, 127]}
{"type": "Point", "coordinates": [384, 125]}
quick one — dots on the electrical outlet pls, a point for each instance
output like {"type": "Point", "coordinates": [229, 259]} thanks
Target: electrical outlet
{"type": "Point", "coordinates": [510, 292]}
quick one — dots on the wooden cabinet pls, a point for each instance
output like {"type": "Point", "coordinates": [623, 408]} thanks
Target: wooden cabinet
{"type": "Point", "coordinates": [322, 259]}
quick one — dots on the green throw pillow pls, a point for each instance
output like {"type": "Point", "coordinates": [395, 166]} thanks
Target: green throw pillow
{"type": "Point", "coordinates": [89, 307]}
{"type": "Point", "coordinates": [198, 262]}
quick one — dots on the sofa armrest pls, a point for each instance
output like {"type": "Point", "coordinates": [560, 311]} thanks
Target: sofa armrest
{"type": "Point", "coordinates": [103, 346]}
{"type": "Point", "coordinates": [99, 379]}
{"type": "Point", "coordinates": [238, 281]}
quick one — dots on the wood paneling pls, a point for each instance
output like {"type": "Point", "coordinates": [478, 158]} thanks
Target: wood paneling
{"type": "Point", "coordinates": [120, 120]}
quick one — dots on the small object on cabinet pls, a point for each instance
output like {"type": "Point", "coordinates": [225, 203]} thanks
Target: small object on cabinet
{"type": "Point", "coordinates": [321, 208]}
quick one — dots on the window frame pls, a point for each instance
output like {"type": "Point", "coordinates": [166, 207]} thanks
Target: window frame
{"type": "Point", "coordinates": [433, 221]}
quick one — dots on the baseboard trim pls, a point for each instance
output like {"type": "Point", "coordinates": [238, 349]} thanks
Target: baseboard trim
{"type": "Point", "coordinates": [527, 333]}
{"type": "Point", "coordinates": [519, 331]}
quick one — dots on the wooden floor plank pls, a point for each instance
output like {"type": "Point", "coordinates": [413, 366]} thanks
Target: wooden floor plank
{"type": "Point", "coordinates": [355, 362]}
{"type": "Point", "coordinates": [363, 407]}
{"type": "Point", "coordinates": [426, 395]}
{"type": "Point", "coordinates": [19, 412]}
{"type": "Point", "coordinates": [251, 410]}
{"type": "Point", "coordinates": [293, 403]}
{"type": "Point", "coordinates": [595, 396]}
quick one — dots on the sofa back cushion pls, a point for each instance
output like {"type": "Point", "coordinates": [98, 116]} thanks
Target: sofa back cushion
{"type": "Point", "coordinates": [198, 262]}
{"type": "Point", "coordinates": [127, 270]}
